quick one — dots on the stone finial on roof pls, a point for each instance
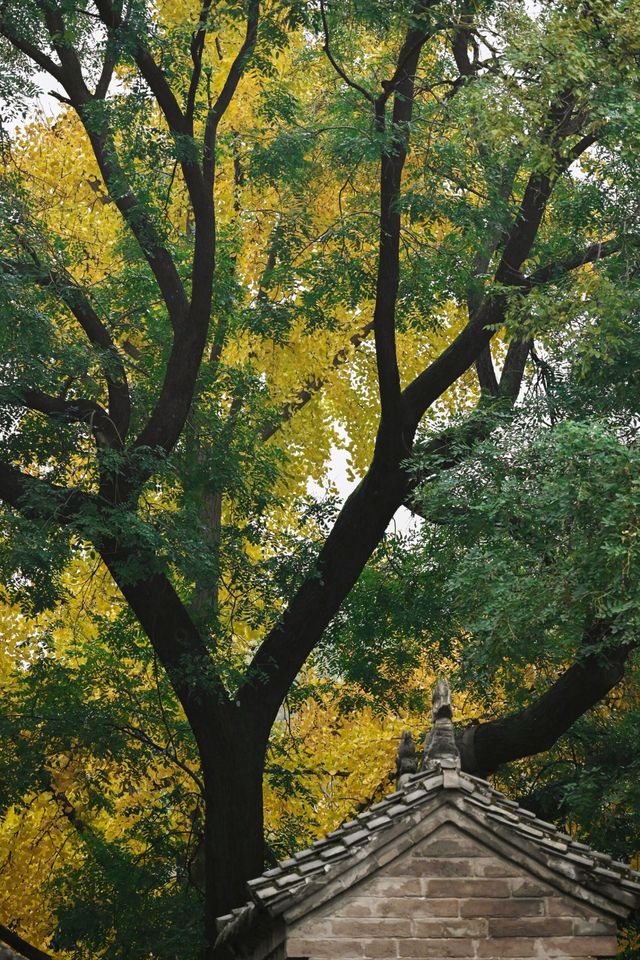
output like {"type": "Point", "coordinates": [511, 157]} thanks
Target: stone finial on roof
{"type": "Point", "coordinates": [406, 759]}
{"type": "Point", "coordinates": [440, 743]}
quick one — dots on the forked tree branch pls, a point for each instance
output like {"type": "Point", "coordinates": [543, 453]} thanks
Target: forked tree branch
{"type": "Point", "coordinates": [392, 440]}
{"type": "Point", "coordinates": [367, 512]}
{"type": "Point", "coordinates": [334, 63]}
{"type": "Point", "coordinates": [197, 50]}
{"type": "Point", "coordinates": [78, 303]}
{"type": "Point", "coordinates": [229, 87]}
{"type": "Point", "coordinates": [38, 499]}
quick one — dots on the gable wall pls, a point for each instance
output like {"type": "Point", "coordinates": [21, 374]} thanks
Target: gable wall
{"type": "Point", "coordinates": [452, 897]}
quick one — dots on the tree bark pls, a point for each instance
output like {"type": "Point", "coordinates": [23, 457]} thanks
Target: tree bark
{"type": "Point", "coordinates": [234, 831]}
{"type": "Point", "coordinates": [485, 747]}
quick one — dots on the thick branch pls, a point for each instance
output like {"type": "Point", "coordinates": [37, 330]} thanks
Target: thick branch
{"type": "Point", "coordinates": [69, 74]}
{"type": "Point", "coordinates": [513, 368]}
{"type": "Point", "coordinates": [151, 596]}
{"type": "Point", "coordinates": [477, 334]}
{"type": "Point", "coordinates": [179, 123]}
{"type": "Point", "coordinates": [169, 416]}
{"type": "Point", "coordinates": [391, 439]}
{"type": "Point", "coordinates": [591, 254]}
{"type": "Point", "coordinates": [24, 948]}
{"type": "Point", "coordinates": [80, 410]}
{"type": "Point", "coordinates": [355, 535]}
{"type": "Point", "coordinates": [197, 50]}
{"type": "Point", "coordinates": [95, 330]}
{"type": "Point", "coordinates": [38, 499]}
{"type": "Point", "coordinates": [174, 637]}
{"type": "Point", "coordinates": [452, 362]}
{"type": "Point", "coordinates": [486, 373]}
{"type": "Point", "coordinates": [486, 746]}
{"type": "Point", "coordinates": [460, 45]}
{"type": "Point", "coordinates": [72, 77]}
{"type": "Point", "coordinates": [29, 49]}
{"type": "Point", "coordinates": [137, 219]}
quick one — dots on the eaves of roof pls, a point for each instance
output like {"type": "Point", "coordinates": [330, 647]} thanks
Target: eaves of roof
{"type": "Point", "coordinates": [428, 799]}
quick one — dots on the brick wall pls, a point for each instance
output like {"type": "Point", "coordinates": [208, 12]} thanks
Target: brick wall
{"type": "Point", "coordinates": [450, 896]}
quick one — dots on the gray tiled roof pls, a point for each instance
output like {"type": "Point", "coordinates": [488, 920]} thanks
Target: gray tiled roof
{"type": "Point", "coordinates": [293, 879]}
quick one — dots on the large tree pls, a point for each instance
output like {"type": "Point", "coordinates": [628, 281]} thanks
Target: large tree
{"type": "Point", "coordinates": [195, 253]}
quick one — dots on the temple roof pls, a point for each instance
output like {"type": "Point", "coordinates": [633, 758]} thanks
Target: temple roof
{"type": "Point", "coordinates": [441, 792]}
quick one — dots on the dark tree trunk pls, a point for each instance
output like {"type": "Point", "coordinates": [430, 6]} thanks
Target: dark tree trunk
{"type": "Point", "coordinates": [234, 828]}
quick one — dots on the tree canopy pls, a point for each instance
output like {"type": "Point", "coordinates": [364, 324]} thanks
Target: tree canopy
{"type": "Point", "coordinates": [249, 235]}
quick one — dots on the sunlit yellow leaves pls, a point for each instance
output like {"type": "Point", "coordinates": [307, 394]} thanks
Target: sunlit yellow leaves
{"type": "Point", "coordinates": [341, 762]}
{"type": "Point", "coordinates": [35, 842]}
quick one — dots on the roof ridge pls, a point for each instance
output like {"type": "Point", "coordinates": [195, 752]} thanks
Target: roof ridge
{"type": "Point", "coordinates": [282, 884]}
{"type": "Point", "coordinates": [294, 878]}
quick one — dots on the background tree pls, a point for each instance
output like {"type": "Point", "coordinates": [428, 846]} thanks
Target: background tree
{"type": "Point", "coordinates": [195, 253]}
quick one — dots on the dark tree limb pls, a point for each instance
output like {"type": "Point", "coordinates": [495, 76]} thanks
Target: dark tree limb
{"type": "Point", "coordinates": [487, 746]}
{"type": "Point", "coordinates": [391, 440]}
{"type": "Point", "coordinates": [173, 635]}
{"type": "Point", "coordinates": [80, 410]}
{"type": "Point", "coordinates": [137, 218]}
{"type": "Point", "coordinates": [38, 499]}
{"type": "Point", "coordinates": [95, 330]}
{"type": "Point", "coordinates": [452, 446]}
{"type": "Point", "coordinates": [513, 368]}
{"type": "Point", "coordinates": [591, 254]}
{"type": "Point", "coordinates": [229, 87]}
{"type": "Point", "coordinates": [197, 50]}
{"type": "Point", "coordinates": [486, 373]}
{"type": "Point", "coordinates": [23, 947]}
{"type": "Point", "coordinates": [477, 334]}
{"type": "Point", "coordinates": [179, 123]}
{"type": "Point", "coordinates": [169, 416]}
{"type": "Point", "coordinates": [66, 52]}
{"type": "Point", "coordinates": [459, 356]}
{"type": "Point", "coordinates": [462, 37]}
{"type": "Point", "coordinates": [30, 50]}
{"type": "Point", "coordinates": [161, 613]}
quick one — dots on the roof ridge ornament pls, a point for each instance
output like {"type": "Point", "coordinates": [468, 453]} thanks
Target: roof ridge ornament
{"type": "Point", "coordinates": [440, 742]}
{"type": "Point", "coordinates": [406, 759]}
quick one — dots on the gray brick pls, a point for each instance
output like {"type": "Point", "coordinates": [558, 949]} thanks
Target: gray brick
{"type": "Point", "coordinates": [451, 927]}
{"type": "Point", "coordinates": [382, 949]}
{"type": "Point", "coordinates": [334, 949]}
{"type": "Point", "coordinates": [511, 947]}
{"type": "Point", "coordinates": [581, 947]}
{"type": "Point", "coordinates": [477, 887]}
{"type": "Point", "coordinates": [436, 948]}
{"type": "Point", "coordinates": [370, 928]}
{"type": "Point", "coordinates": [530, 927]}
{"type": "Point", "coordinates": [477, 907]}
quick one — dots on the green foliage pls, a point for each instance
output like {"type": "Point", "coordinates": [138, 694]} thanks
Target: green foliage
{"type": "Point", "coordinates": [525, 544]}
